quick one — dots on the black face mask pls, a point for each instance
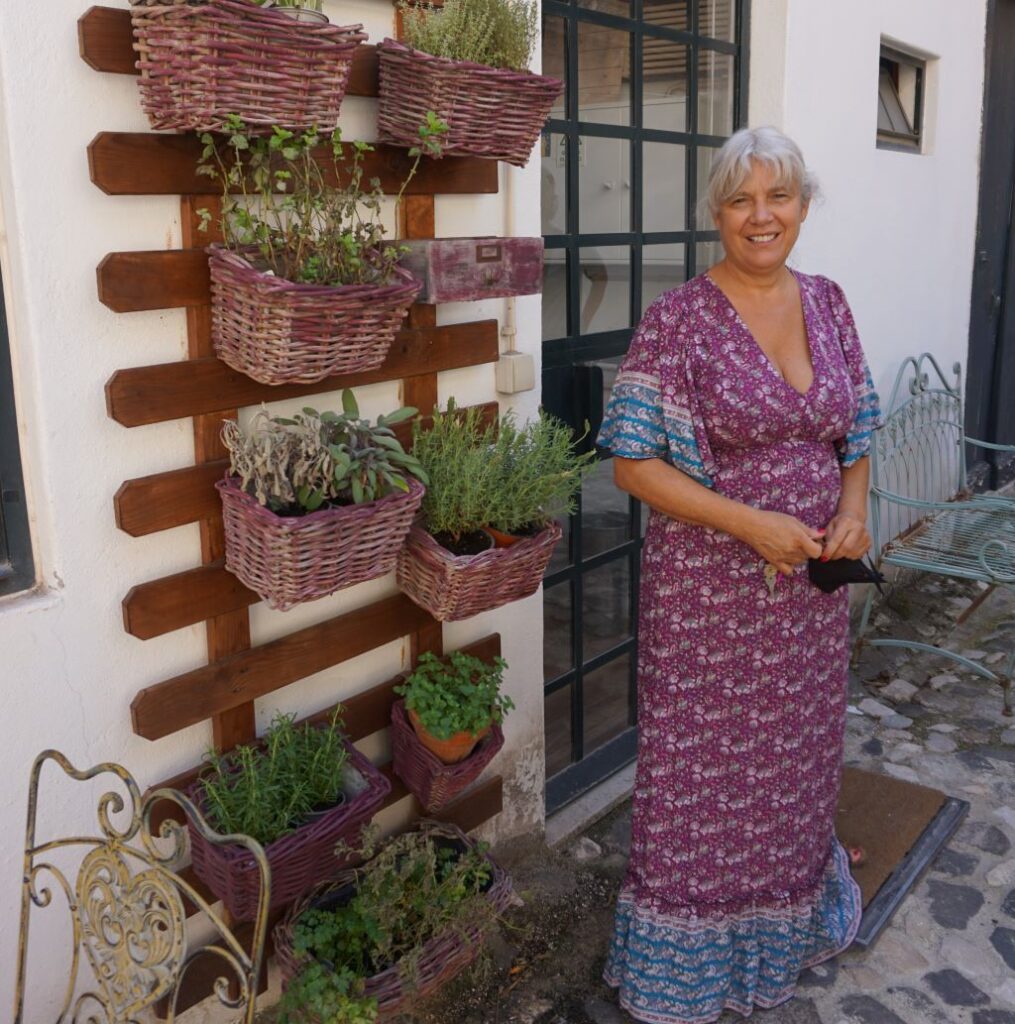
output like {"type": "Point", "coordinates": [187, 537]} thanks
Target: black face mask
{"type": "Point", "coordinates": [837, 572]}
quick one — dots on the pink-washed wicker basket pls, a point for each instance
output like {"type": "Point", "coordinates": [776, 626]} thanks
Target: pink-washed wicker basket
{"type": "Point", "coordinates": [291, 559]}
{"type": "Point", "coordinates": [432, 782]}
{"type": "Point", "coordinates": [298, 860]}
{"type": "Point", "coordinates": [490, 112]}
{"type": "Point", "coordinates": [452, 587]}
{"type": "Point", "coordinates": [281, 332]}
{"type": "Point", "coordinates": [202, 60]}
{"type": "Point", "coordinates": [441, 957]}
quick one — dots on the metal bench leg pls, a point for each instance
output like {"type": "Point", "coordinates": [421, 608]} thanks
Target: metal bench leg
{"type": "Point", "coordinates": [864, 619]}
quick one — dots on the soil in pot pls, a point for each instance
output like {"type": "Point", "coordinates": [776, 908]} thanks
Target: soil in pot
{"type": "Point", "coordinates": [455, 748]}
{"type": "Point", "coordinates": [467, 544]}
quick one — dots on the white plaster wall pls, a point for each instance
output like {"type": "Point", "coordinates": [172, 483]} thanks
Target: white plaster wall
{"type": "Point", "coordinates": [896, 230]}
{"type": "Point", "coordinates": [69, 669]}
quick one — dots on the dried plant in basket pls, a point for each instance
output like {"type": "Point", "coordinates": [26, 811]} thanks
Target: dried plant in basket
{"type": "Point", "coordinates": [467, 60]}
{"type": "Point", "coordinates": [316, 502]}
{"type": "Point", "coordinates": [304, 285]}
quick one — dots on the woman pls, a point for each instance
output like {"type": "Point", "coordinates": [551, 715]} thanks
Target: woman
{"type": "Point", "coordinates": [742, 416]}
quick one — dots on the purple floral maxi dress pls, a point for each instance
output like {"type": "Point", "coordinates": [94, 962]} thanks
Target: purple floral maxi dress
{"type": "Point", "coordinates": [736, 882]}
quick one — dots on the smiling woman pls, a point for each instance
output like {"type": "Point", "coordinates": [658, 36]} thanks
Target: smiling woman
{"type": "Point", "coordinates": [742, 416]}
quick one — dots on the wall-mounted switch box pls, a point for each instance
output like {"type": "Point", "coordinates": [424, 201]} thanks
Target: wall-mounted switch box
{"type": "Point", "coordinates": [516, 371]}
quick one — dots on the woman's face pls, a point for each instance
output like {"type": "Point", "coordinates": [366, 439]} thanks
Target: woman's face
{"type": "Point", "coordinates": [760, 222]}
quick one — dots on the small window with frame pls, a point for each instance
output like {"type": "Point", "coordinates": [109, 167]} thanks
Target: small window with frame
{"type": "Point", "coordinates": [901, 82]}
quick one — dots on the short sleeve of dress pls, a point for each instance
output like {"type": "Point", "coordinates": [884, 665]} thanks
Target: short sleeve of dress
{"type": "Point", "coordinates": [645, 419]}
{"type": "Point", "coordinates": [856, 444]}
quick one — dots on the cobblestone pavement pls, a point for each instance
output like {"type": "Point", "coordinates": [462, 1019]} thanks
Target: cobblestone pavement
{"type": "Point", "coordinates": [948, 954]}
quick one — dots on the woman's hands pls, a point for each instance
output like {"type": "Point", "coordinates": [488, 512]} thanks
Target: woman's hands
{"type": "Point", "coordinates": [782, 540]}
{"type": "Point", "coordinates": [846, 536]}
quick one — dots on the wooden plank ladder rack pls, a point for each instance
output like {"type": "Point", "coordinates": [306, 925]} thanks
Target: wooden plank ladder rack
{"type": "Point", "coordinates": [206, 390]}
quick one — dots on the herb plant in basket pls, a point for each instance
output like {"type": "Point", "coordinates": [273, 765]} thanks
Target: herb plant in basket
{"type": "Point", "coordinates": [514, 478]}
{"type": "Point", "coordinates": [304, 285]}
{"type": "Point", "coordinates": [468, 62]}
{"type": "Point", "coordinates": [381, 935]}
{"type": "Point", "coordinates": [299, 790]}
{"type": "Point", "coordinates": [316, 502]}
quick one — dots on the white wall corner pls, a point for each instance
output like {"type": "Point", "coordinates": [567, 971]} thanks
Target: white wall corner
{"type": "Point", "coordinates": [766, 101]}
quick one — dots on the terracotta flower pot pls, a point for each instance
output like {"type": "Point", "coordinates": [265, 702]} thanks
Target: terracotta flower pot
{"type": "Point", "coordinates": [455, 748]}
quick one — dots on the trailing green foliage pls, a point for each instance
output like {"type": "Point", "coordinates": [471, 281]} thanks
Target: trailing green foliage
{"type": "Point", "coordinates": [501, 475]}
{"type": "Point", "coordinates": [296, 465]}
{"type": "Point", "coordinates": [321, 996]}
{"type": "Point", "coordinates": [500, 33]}
{"type": "Point", "coordinates": [267, 791]}
{"type": "Point", "coordinates": [301, 228]}
{"type": "Point", "coordinates": [456, 693]}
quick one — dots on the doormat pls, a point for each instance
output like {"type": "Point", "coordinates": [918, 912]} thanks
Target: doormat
{"type": "Point", "coordinates": [901, 826]}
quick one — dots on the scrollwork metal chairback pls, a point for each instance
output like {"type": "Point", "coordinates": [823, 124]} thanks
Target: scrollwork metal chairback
{"type": "Point", "coordinates": [126, 906]}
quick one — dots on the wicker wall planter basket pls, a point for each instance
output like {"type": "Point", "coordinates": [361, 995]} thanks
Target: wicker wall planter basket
{"type": "Point", "coordinates": [432, 782]}
{"type": "Point", "coordinates": [202, 61]}
{"type": "Point", "coordinates": [453, 587]}
{"type": "Point", "coordinates": [291, 559]}
{"type": "Point", "coordinates": [442, 957]}
{"type": "Point", "coordinates": [490, 112]}
{"type": "Point", "coordinates": [298, 860]}
{"type": "Point", "coordinates": [280, 332]}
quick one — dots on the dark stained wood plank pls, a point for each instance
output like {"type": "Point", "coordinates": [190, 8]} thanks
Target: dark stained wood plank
{"type": "Point", "coordinates": [106, 44]}
{"type": "Point", "coordinates": [106, 40]}
{"type": "Point", "coordinates": [164, 708]}
{"type": "Point", "coordinates": [164, 500]}
{"type": "Point", "coordinates": [131, 281]}
{"type": "Point", "coordinates": [475, 807]}
{"type": "Point", "coordinates": [153, 394]}
{"type": "Point", "coordinates": [148, 164]}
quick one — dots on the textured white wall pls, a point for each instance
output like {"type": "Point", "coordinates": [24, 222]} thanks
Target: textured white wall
{"type": "Point", "coordinates": [69, 669]}
{"type": "Point", "coordinates": [896, 230]}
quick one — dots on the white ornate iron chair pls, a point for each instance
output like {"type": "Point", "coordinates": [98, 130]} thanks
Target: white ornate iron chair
{"type": "Point", "coordinates": [127, 911]}
{"type": "Point", "coordinates": [923, 514]}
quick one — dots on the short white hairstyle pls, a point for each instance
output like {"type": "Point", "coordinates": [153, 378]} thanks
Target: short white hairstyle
{"type": "Point", "coordinates": [767, 145]}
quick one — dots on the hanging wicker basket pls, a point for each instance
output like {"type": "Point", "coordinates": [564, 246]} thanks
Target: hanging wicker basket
{"type": "Point", "coordinates": [452, 587]}
{"type": "Point", "coordinates": [291, 559]}
{"type": "Point", "coordinates": [441, 957]}
{"type": "Point", "coordinates": [490, 112]}
{"type": "Point", "coordinates": [202, 60]}
{"type": "Point", "coordinates": [279, 332]}
{"type": "Point", "coordinates": [298, 860]}
{"type": "Point", "coordinates": [429, 779]}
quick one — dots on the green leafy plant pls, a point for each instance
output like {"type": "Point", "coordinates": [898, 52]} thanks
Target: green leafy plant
{"type": "Point", "coordinates": [457, 693]}
{"type": "Point", "coordinates": [414, 888]}
{"type": "Point", "coordinates": [299, 223]}
{"type": "Point", "coordinates": [501, 475]}
{"type": "Point", "coordinates": [499, 33]}
{"type": "Point", "coordinates": [296, 465]}
{"type": "Point", "coordinates": [268, 790]}
{"type": "Point", "coordinates": [321, 996]}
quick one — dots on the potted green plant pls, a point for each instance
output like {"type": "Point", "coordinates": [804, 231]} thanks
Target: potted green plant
{"type": "Point", "coordinates": [316, 502]}
{"type": "Point", "coordinates": [468, 62]}
{"type": "Point", "coordinates": [390, 931]}
{"type": "Point", "coordinates": [299, 791]}
{"type": "Point", "coordinates": [303, 286]}
{"type": "Point", "coordinates": [203, 61]}
{"type": "Point", "coordinates": [515, 478]}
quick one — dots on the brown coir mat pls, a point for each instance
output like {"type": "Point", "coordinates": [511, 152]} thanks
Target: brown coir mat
{"type": "Point", "coordinates": [901, 826]}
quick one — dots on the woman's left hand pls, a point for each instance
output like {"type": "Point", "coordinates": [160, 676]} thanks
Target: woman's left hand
{"type": "Point", "coordinates": [846, 536]}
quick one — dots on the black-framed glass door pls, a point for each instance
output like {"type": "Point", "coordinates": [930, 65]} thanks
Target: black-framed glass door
{"type": "Point", "coordinates": [654, 87]}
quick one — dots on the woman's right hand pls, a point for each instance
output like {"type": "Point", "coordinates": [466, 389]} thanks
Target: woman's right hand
{"type": "Point", "coordinates": [782, 540]}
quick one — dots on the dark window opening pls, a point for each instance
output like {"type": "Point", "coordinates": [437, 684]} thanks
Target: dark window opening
{"type": "Point", "coordinates": [900, 100]}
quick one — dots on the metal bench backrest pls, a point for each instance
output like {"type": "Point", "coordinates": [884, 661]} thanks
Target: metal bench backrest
{"type": "Point", "coordinates": [130, 945]}
{"type": "Point", "coordinates": [919, 454]}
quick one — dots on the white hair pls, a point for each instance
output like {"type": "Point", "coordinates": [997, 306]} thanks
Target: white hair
{"type": "Point", "coordinates": [732, 164]}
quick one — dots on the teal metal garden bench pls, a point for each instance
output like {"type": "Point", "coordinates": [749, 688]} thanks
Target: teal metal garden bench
{"type": "Point", "coordinates": [924, 516]}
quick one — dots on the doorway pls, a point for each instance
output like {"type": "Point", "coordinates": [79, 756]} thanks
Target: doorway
{"type": "Point", "coordinates": [653, 88]}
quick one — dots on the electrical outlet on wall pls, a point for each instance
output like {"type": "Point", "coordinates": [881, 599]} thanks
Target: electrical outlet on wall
{"type": "Point", "coordinates": [516, 371]}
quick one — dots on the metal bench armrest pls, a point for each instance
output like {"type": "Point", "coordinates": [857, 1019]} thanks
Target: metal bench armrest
{"type": "Point", "coordinates": [977, 503]}
{"type": "Point", "coordinates": [988, 444]}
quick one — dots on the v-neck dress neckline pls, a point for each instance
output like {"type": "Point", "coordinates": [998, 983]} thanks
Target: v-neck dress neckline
{"type": "Point", "coordinates": [742, 324]}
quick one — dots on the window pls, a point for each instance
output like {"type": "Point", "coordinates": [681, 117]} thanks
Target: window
{"type": "Point", "coordinates": [17, 571]}
{"type": "Point", "coordinates": [900, 100]}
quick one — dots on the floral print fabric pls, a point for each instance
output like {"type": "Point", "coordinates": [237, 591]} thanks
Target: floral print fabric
{"type": "Point", "coordinates": [736, 882]}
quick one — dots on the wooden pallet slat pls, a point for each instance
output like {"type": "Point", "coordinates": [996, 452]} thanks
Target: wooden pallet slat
{"type": "Point", "coordinates": [168, 391]}
{"type": "Point", "coordinates": [147, 164]}
{"type": "Point", "coordinates": [106, 43]}
{"type": "Point", "coordinates": [133, 281]}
